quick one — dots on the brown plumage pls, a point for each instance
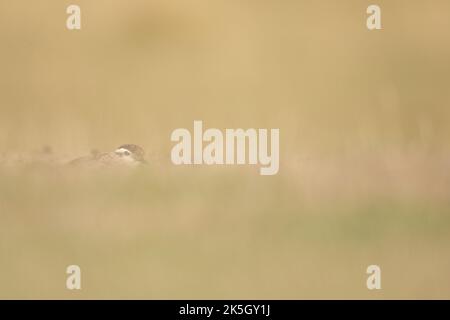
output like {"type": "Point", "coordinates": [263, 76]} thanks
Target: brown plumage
{"type": "Point", "coordinates": [125, 155]}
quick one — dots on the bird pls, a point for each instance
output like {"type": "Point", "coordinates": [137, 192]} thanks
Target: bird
{"type": "Point", "coordinates": [126, 155]}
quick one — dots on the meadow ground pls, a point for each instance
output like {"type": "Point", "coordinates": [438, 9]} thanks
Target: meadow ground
{"type": "Point", "coordinates": [172, 232]}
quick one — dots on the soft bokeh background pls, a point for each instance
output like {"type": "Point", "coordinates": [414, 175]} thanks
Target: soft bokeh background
{"type": "Point", "coordinates": [365, 149]}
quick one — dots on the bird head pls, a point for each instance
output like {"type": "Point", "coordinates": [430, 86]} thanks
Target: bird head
{"type": "Point", "coordinates": [131, 153]}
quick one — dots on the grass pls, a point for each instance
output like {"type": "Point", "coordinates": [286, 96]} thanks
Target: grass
{"type": "Point", "coordinates": [200, 233]}
{"type": "Point", "coordinates": [364, 142]}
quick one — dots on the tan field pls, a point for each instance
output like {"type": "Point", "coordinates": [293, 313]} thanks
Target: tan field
{"type": "Point", "coordinates": [364, 173]}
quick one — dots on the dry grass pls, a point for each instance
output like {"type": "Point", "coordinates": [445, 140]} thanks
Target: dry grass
{"type": "Point", "coordinates": [364, 175]}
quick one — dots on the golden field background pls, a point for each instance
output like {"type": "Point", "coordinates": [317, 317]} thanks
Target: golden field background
{"type": "Point", "coordinates": [365, 149]}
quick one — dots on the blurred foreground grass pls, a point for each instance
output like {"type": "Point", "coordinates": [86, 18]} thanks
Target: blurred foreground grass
{"type": "Point", "coordinates": [168, 232]}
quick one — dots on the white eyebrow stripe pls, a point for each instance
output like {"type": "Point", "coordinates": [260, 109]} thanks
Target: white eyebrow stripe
{"type": "Point", "coordinates": [122, 150]}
